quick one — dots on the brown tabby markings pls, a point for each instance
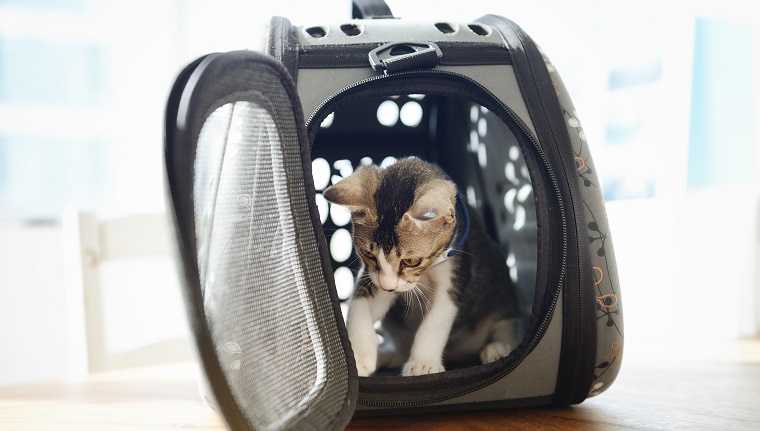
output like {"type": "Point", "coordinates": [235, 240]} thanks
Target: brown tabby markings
{"type": "Point", "coordinates": [416, 220]}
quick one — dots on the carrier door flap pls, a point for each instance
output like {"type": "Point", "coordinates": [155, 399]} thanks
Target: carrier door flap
{"type": "Point", "coordinates": [257, 279]}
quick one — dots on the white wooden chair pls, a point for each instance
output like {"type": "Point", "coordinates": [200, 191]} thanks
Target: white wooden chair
{"type": "Point", "coordinates": [124, 274]}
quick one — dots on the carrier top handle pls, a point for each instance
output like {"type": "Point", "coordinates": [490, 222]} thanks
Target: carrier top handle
{"type": "Point", "coordinates": [371, 9]}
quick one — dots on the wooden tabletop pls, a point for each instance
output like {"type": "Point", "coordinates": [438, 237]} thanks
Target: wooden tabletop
{"type": "Point", "coordinates": [713, 387]}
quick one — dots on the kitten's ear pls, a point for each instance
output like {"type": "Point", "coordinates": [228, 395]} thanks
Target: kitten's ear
{"type": "Point", "coordinates": [433, 205]}
{"type": "Point", "coordinates": [356, 192]}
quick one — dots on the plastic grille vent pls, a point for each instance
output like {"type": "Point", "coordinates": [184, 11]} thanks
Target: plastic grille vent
{"type": "Point", "coordinates": [472, 144]}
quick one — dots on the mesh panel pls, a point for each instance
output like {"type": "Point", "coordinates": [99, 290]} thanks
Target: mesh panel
{"type": "Point", "coordinates": [264, 290]}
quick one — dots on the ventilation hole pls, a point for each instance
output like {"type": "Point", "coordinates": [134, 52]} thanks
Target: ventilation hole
{"type": "Point", "coordinates": [520, 216]}
{"type": "Point", "coordinates": [340, 245]}
{"type": "Point", "coordinates": [327, 122]}
{"type": "Point", "coordinates": [316, 32]}
{"type": "Point", "coordinates": [474, 141]}
{"type": "Point", "coordinates": [524, 172]}
{"type": "Point", "coordinates": [387, 161]}
{"type": "Point", "coordinates": [511, 259]}
{"type": "Point", "coordinates": [511, 263]}
{"type": "Point", "coordinates": [478, 29]}
{"type": "Point", "coordinates": [474, 114]}
{"type": "Point", "coordinates": [344, 167]}
{"type": "Point", "coordinates": [344, 282]}
{"type": "Point", "coordinates": [387, 113]}
{"type": "Point", "coordinates": [322, 207]}
{"type": "Point", "coordinates": [411, 114]}
{"type": "Point", "coordinates": [350, 29]}
{"type": "Point", "coordinates": [482, 157]}
{"type": "Point", "coordinates": [471, 198]}
{"type": "Point", "coordinates": [514, 153]}
{"type": "Point", "coordinates": [482, 127]}
{"type": "Point", "coordinates": [401, 50]}
{"type": "Point", "coordinates": [444, 28]}
{"type": "Point", "coordinates": [509, 172]}
{"type": "Point", "coordinates": [509, 200]}
{"type": "Point", "coordinates": [320, 171]}
{"type": "Point", "coordinates": [340, 215]}
{"type": "Point", "coordinates": [524, 192]}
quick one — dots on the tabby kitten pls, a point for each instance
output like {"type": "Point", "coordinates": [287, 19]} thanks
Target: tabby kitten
{"type": "Point", "coordinates": [435, 306]}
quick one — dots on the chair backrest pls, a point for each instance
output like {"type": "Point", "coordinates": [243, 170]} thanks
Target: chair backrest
{"type": "Point", "coordinates": [123, 271]}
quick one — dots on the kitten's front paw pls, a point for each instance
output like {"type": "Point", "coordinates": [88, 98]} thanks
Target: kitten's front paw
{"type": "Point", "coordinates": [366, 363]}
{"type": "Point", "coordinates": [494, 351]}
{"type": "Point", "coordinates": [419, 368]}
{"type": "Point", "coordinates": [363, 369]}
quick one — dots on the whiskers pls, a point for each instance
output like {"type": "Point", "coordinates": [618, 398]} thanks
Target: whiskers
{"type": "Point", "coordinates": [459, 250]}
{"type": "Point", "coordinates": [364, 282]}
{"type": "Point", "coordinates": [417, 294]}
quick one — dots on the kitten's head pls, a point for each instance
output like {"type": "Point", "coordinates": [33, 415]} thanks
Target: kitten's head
{"type": "Point", "coordinates": [403, 218]}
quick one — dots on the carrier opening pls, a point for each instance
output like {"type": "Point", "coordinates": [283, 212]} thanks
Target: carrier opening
{"type": "Point", "coordinates": [473, 145]}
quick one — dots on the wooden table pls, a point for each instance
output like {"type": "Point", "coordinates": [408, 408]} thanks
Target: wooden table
{"type": "Point", "coordinates": [712, 387]}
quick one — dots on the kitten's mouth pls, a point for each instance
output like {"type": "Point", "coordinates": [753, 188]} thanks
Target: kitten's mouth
{"type": "Point", "coordinates": [391, 284]}
{"type": "Point", "coordinates": [399, 289]}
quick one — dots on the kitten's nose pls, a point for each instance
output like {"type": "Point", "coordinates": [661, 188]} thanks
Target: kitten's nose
{"type": "Point", "coordinates": [388, 283]}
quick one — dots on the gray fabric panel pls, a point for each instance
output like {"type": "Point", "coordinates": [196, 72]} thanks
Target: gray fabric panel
{"type": "Point", "coordinates": [316, 85]}
{"type": "Point", "coordinates": [264, 290]}
{"type": "Point", "coordinates": [536, 375]}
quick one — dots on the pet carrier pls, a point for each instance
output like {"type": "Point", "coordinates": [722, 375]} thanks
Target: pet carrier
{"type": "Point", "coordinates": [253, 138]}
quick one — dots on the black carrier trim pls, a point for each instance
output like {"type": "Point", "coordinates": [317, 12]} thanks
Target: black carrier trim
{"type": "Point", "coordinates": [576, 367]}
{"type": "Point", "coordinates": [282, 44]}
{"type": "Point", "coordinates": [356, 55]}
{"type": "Point", "coordinates": [370, 9]}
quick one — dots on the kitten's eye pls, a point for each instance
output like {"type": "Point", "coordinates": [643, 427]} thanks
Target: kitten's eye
{"type": "Point", "coordinates": [411, 262]}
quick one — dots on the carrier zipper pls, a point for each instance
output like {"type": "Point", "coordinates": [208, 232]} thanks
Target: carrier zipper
{"type": "Point", "coordinates": [534, 142]}
{"type": "Point", "coordinates": [575, 353]}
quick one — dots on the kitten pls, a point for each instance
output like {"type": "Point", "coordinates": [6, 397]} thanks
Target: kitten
{"type": "Point", "coordinates": [435, 305]}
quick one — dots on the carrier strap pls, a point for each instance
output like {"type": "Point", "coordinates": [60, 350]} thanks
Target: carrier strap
{"type": "Point", "coordinates": [371, 9]}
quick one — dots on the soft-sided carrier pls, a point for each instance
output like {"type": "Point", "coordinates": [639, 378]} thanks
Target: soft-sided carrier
{"type": "Point", "coordinates": [251, 140]}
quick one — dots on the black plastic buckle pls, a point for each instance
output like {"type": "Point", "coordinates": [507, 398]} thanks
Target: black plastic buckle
{"type": "Point", "coordinates": [397, 56]}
